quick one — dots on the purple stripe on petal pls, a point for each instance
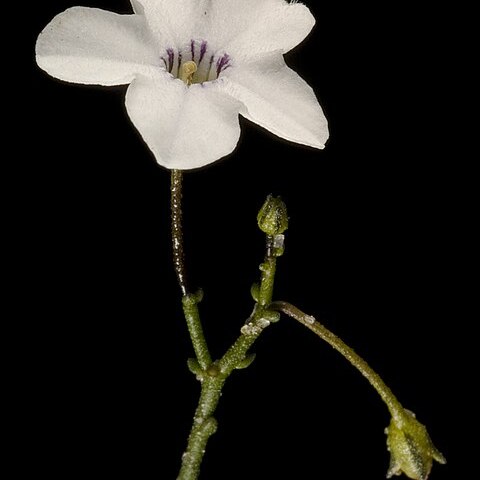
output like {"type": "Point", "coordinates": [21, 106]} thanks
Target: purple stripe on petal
{"type": "Point", "coordinates": [179, 62]}
{"type": "Point", "coordinates": [203, 50]}
{"type": "Point", "coordinates": [171, 56]}
{"type": "Point", "coordinates": [222, 63]}
{"type": "Point", "coordinates": [227, 61]}
{"type": "Point", "coordinates": [164, 61]}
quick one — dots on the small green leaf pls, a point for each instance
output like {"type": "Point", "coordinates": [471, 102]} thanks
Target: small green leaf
{"type": "Point", "coordinates": [195, 367]}
{"type": "Point", "coordinates": [246, 362]}
{"type": "Point", "coordinates": [271, 316]}
{"type": "Point", "coordinates": [255, 291]}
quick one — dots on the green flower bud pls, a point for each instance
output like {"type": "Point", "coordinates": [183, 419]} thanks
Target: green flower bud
{"type": "Point", "coordinates": [272, 217]}
{"type": "Point", "coordinates": [411, 449]}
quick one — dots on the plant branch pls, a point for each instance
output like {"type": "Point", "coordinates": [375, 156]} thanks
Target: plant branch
{"type": "Point", "coordinates": [194, 324]}
{"type": "Point", "coordinates": [273, 221]}
{"type": "Point", "coordinates": [214, 375]}
{"type": "Point", "coordinates": [394, 406]}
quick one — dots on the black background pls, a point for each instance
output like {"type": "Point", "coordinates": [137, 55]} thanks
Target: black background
{"type": "Point", "coordinates": [371, 251]}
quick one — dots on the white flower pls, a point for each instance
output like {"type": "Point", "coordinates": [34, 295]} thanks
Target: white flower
{"type": "Point", "coordinates": [237, 47]}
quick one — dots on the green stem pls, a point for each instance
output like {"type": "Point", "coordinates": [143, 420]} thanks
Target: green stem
{"type": "Point", "coordinates": [214, 375]}
{"type": "Point", "coordinates": [268, 269]}
{"type": "Point", "coordinates": [259, 320]}
{"type": "Point", "coordinates": [189, 301]}
{"type": "Point", "coordinates": [204, 426]}
{"type": "Point", "coordinates": [359, 363]}
{"type": "Point", "coordinates": [192, 316]}
{"type": "Point", "coordinates": [268, 276]}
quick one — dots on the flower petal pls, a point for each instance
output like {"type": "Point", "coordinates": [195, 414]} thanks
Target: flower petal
{"type": "Point", "coordinates": [277, 98]}
{"type": "Point", "coordinates": [242, 28]}
{"type": "Point", "coordinates": [92, 46]}
{"type": "Point", "coordinates": [175, 22]}
{"type": "Point", "coordinates": [249, 27]}
{"type": "Point", "coordinates": [137, 7]}
{"type": "Point", "coordinates": [185, 127]}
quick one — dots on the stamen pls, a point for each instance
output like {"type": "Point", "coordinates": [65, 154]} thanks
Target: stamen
{"type": "Point", "coordinates": [186, 63]}
{"type": "Point", "coordinates": [187, 70]}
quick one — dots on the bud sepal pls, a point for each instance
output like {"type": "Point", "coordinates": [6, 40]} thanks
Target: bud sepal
{"type": "Point", "coordinates": [411, 449]}
{"type": "Point", "coordinates": [273, 217]}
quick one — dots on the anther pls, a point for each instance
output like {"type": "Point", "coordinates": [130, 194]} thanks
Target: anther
{"type": "Point", "coordinates": [187, 70]}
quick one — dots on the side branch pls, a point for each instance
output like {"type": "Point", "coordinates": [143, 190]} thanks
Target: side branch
{"type": "Point", "coordinates": [341, 347]}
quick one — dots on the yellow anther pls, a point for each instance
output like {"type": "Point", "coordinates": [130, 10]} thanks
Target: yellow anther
{"type": "Point", "coordinates": [187, 70]}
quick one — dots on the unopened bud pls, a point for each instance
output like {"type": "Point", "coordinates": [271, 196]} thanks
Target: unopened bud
{"type": "Point", "coordinates": [272, 217]}
{"type": "Point", "coordinates": [411, 449]}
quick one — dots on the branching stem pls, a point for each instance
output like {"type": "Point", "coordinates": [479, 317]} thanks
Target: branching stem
{"type": "Point", "coordinates": [213, 375]}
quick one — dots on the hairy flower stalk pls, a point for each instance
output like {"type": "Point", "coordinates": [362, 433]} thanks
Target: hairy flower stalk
{"type": "Point", "coordinates": [177, 230]}
{"type": "Point", "coordinates": [412, 451]}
